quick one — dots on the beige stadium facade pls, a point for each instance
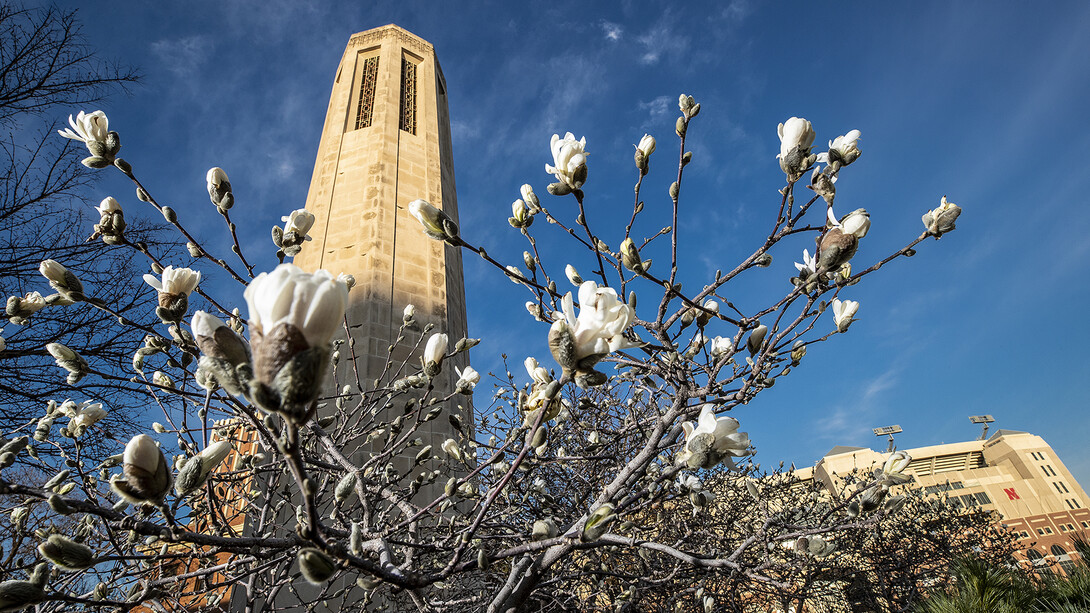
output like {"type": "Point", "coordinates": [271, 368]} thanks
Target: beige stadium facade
{"type": "Point", "coordinates": [1016, 474]}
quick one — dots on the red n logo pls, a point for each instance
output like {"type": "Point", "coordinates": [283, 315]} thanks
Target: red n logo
{"type": "Point", "coordinates": [1011, 494]}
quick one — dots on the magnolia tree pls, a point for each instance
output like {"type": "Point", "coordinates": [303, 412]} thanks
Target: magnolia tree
{"type": "Point", "coordinates": [560, 495]}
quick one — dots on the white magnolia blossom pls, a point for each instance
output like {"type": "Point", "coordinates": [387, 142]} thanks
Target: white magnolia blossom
{"type": "Point", "coordinates": [569, 160]}
{"type": "Point", "coordinates": [108, 205]}
{"type": "Point", "coordinates": [436, 349]}
{"type": "Point", "coordinates": [808, 264]}
{"type": "Point", "coordinates": [940, 220]}
{"type": "Point", "coordinates": [312, 303]}
{"type": "Point", "coordinates": [647, 145]}
{"type": "Point", "coordinates": [175, 281]}
{"type": "Point", "coordinates": [31, 303]}
{"type": "Point", "coordinates": [537, 372]}
{"type": "Point", "coordinates": [843, 149]}
{"type": "Point", "coordinates": [844, 313]}
{"type": "Point", "coordinates": [299, 221]}
{"type": "Point", "coordinates": [468, 377]}
{"type": "Point", "coordinates": [896, 463]}
{"type": "Point", "coordinates": [857, 222]}
{"type": "Point", "coordinates": [86, 127]}
{"type": "Point", "coordinates": [725, 440]}
{"type": "Point", "coordinates": [795, 132]}
{"type": "Point", "coordinates": [602, 318]}
{"type": "Point", "coordinates": [720, 347]}
{"type": "Point", "coordinates": [86, 415]}
{"type": "Point", "coordinates": [689, 483]}
{"type": "Point", "coordinates": [427, 215]}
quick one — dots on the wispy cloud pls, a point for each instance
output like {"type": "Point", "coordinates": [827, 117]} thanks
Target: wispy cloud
{"type": "Point", "coordinates": [850, 419]}
{"type": "Point", "coordinates": [183, 56]}
{"type": "Point", "coordinates": [662, 40]}
{"type": "Point", "coordinates": [657, 108]}
{"type": "Point", "coordinates": [612, 30]}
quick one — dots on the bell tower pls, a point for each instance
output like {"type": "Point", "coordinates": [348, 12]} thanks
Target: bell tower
{"type": "Point", "coordinates": [386, 142]}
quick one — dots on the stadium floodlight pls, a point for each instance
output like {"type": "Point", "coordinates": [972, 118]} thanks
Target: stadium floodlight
{"type": "Point", "coordinates": [888, 431]}
{"type": "Point", "coordinates": [982, 419]}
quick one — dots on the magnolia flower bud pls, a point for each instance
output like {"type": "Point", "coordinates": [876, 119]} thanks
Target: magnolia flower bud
{"type": "Point", "coordinates": [530, 198]}
{"type": "Point", "coordinates": [197, 469]}
{"type": "Point", "coordinates": [630, 257]}
{"type": "Point", "coordinates": [796, 137]}
{"type": "Point", "coordinates": [521, 216]}
{"type": "Point", "coordinates": [146, 473]}
{"type": "Point", "coordinates": [293, 317]}
{"type": "Point", "coordinates": [316, 566]}
{"type": "Point", "coordinates": [111, 225]}
{"type": "Point", "coordinates": [896, 463]}
{"type": "Point", "coordinates": [941, 220]}
{"type": "Point", "coordinates": [756, 339]}
{"type": "Point", "coordinates": [408, 314]}
{"type": "Point", "coordinates": [451, 448]}
{"type": "Point", "coordinates": [434, 352]}
{"type": "Point", "coordinates": [843, 313]}
{"type": "Point", "coordinates": [219, 189]}
{"type": "Point", "coordinates": [598, 522]}
{"type": "Point", "coordinates": [573, 275]}
{"type": "Point", "coordinates": [643, 152]}
{"type": "Point", "coordinates": [215, 339]}
{"type": "Point", "coordinates": [544, 529]}
{"type": "Point", "coordinates": [822, 182]}
{"type": "Point", "coordinates": [160, 378]}
{"type": "Point", "coordinates": [61, 279]}
{"type": "Point", "coordinates": [66, 554]}
{"type": "Point", "coordinates": [69, 360]}
{"type": "Point", "coordinates": [797, 352]}
{"type": "Point", "coordinates": [436, 223]}
{"type": "Point", "coordinates": [17, 595]}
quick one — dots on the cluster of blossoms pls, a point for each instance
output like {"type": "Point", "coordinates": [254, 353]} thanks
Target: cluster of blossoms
{"type": "Point", "coordinates": [579, 342]}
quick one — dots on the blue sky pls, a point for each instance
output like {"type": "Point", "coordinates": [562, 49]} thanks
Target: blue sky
{"type": "Point", "coordinates": [978, 101]}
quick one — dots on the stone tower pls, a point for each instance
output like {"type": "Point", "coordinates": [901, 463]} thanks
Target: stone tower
{"type": "Point", "coordinates": [386, 142]}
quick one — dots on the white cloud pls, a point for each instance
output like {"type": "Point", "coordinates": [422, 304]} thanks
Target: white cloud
{"type": "Point", "coordinates": [613, 31]}
{"type": "Point", "coordinates": [657, 108]}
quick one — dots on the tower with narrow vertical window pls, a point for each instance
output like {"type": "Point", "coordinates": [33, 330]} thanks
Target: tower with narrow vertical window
{"type": "Point", "coordinates": [386, 142]}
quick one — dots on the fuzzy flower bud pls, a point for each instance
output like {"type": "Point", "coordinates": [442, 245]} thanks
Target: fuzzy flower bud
{"type": "Point", "coordinates": [434, 352]}
{"type": "Point", "coordinates": [436, 223]}
{"type": "Point", "coordinates": [66, 554]}
{"type": "Point", "coordinates": [61, 279]}
{"type": "Point", "coordinates": [197, 469]}
{"type": "Point", "coordinates": [530, 198]}
{"type": "Point", "coordinates": [219, 188]}
{"type": "Point", "coordinates": [796, 137]}
{"type": "Point", "coordinates": [146, 472]}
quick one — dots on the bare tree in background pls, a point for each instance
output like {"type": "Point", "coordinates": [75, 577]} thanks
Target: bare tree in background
{"type": "Point", "coordinates": [47, 70]}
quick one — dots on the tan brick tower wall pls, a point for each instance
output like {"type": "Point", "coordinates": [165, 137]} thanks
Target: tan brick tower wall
{"type": "Point", "coordinates": [386, 142]}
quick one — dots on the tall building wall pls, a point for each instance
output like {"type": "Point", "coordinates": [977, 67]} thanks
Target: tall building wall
{"type": "Point", "coordinates": [1016, 474]}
